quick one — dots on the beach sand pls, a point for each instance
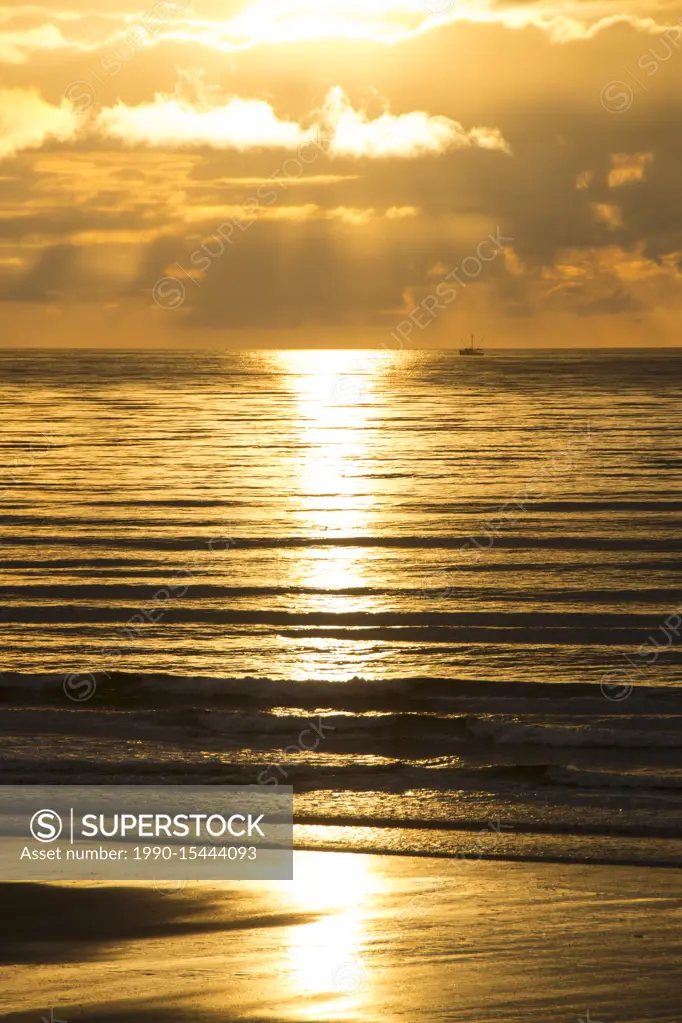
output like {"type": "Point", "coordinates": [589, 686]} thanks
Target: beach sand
{"type": "Point", "coordinates": [353, 937]}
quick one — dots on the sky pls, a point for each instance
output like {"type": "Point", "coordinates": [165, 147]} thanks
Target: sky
{"type": "Point", "coordinates": [335, 173]}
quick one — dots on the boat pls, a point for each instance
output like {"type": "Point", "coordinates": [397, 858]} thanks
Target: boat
{"type": "Point", "coordinates": [471, 349]}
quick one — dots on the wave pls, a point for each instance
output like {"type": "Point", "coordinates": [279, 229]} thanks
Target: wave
{"type": "Point", "coordinates": [380, 776]}
{"type": "Point", "coordinates": [582, 735]}
{"type": "Point", "coordinates": [115, 591]}
{"type": "Point", "coordinates": [426, 542]}
{"type": "Point", "coordinates": [390, 734]}
{"type": "Point", "coordinates": [614, 779]}
{"type": "Point", "coordinates": [387, 734]}
{"type": "Point", "coordinates": [354, 694]}
{"type": "Point", "coordinates": [84, 562]}
{"type": "Point", "coordinates": [306, 774]}
{"type": "Point", "coordinates": [583, 627]}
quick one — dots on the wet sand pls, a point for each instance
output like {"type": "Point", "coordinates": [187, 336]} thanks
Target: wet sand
{"type": "Point", "coordinates": [355, 938]}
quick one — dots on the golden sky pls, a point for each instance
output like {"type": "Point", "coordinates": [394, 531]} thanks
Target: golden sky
{"type": "Point", "coordinates": [340, 172]}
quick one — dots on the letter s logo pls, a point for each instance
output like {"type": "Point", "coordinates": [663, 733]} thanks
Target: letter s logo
{"type": "Point", "coordinates": [46, 826]}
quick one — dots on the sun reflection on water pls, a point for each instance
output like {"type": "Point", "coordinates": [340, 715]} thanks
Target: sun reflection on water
{"type": "Point", "coordinates": [328, 955]}
{"type": "Point", "coordinates": [336, 397]}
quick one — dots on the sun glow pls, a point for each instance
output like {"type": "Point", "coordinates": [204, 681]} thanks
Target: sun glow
{"type": "Point", "coordinates": [334, 394]}
{"type": "Point", "coordinates": [328, 955]}
{"type": "Point", "coordinates": [284, 21]}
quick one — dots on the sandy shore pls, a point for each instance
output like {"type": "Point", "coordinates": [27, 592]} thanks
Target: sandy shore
{"type": "Point", "coordinates": [353, 938]}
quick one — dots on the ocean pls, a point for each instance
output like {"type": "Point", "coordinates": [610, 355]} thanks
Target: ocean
{"type": "Point", "coordinates": [439, 596]}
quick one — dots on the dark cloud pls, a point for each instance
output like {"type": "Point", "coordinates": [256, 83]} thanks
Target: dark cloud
{"type": "Point", "coordinates": [619, 301]}
{"type": "Point", "coordinates": [282, 276]}
{"type": "Point", "coordinates": [57, 272]}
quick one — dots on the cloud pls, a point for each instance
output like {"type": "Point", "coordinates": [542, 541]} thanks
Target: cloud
{"type": "Point", "coordinates": [174, 121]}
{"type": "Point", "coordinates": [353, 133]}
{"type": "Point", "coordinates": [243, 124]}
{"type": "Point", "coordinates": [229, 27]}
{"type": "Point", "coordinates": [321, 280]}
{"type": "Point", "coordinates": [609, 214]}
{"type": "Point", "coordinates": [627, 167]}
{"type": "Point", "coordinates": [14, 46]}
{"type": "Point", "coordinates": [404, 187]}
{"type": "Point", "coordinates": [607, 282]}
{"type": "Point", "coordinates": [206, 119]}
{"type": "Point", "coordinates": [400, 212]}
{"type": "Point", "coordinates": [27, 121]}
{"type": "Point", "coordinates": [54, 273]}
